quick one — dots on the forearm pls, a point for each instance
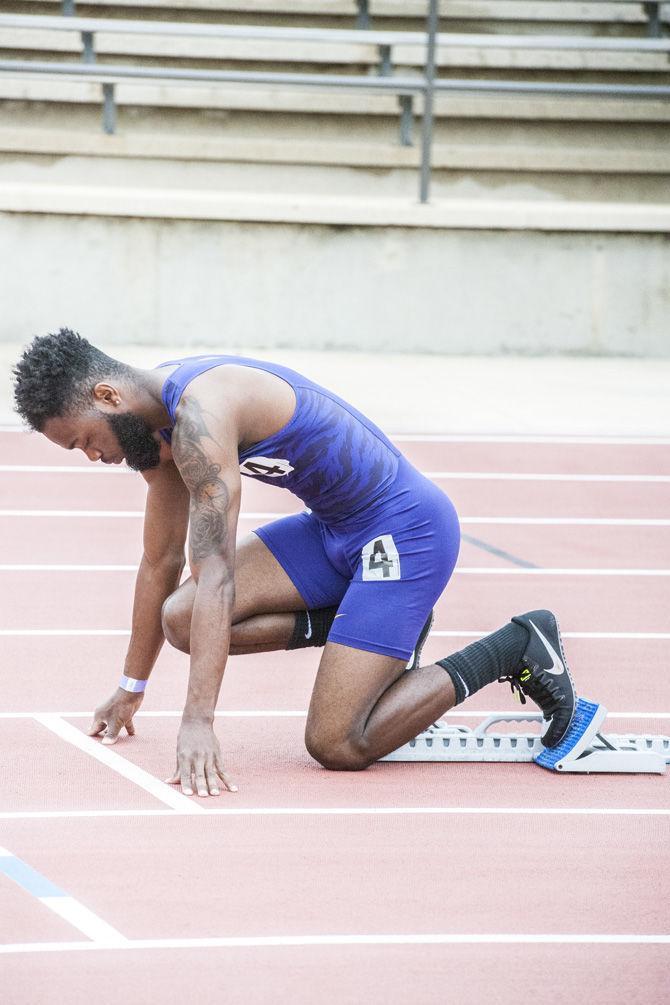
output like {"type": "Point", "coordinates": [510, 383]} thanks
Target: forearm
{"type": "Point", "coordinates": [155, 582]}
{"type": "Point", "coordinates": [210, 642]}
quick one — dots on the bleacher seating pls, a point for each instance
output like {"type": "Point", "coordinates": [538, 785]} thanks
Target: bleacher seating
{"type": "Point", "coordinates": [483, 141]}
{"type": "Point", "coordinates": [592, 16]}
{"type": "Point", "coordinates": [275, 213]}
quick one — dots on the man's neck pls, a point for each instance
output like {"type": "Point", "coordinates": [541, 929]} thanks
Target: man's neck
{"type": "Point", "coordinates": [150, 402]}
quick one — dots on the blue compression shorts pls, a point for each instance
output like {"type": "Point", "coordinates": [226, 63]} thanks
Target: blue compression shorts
{"type": "Point", "coordinates": [384, 570]}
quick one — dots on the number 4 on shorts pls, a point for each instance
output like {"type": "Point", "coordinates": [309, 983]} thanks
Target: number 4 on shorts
{"type": "Point", "coordinates": [380, 559]}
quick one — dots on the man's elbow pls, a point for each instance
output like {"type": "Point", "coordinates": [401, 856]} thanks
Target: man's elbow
{"type": "Point", "coordinates": [170, 562]}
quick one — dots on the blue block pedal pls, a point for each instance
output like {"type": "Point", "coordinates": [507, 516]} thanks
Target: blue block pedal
{"type": "Point", "coordinates": [588, 717]}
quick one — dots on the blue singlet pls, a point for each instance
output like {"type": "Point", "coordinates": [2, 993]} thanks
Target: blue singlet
{"type": "Point", "coordinates": [379, 540]}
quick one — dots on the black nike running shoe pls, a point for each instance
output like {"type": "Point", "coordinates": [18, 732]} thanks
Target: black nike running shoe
{"type": "Point", "coordinates": [415, 658]}
{"type": "Point", "coordinates": [543, 675]}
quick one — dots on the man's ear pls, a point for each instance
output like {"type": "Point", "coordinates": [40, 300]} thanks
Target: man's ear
{"type": "Point", "coordinates": [107, 393]}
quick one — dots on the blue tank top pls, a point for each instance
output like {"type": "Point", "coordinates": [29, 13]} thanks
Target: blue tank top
{"type": "Point", "coordinates": [328, 454]}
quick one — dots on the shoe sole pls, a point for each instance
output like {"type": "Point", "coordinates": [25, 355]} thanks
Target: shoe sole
{"type": "Point", "coordinates": [421, 641]}
{"type": "Point", "coordinates": [572, 683]}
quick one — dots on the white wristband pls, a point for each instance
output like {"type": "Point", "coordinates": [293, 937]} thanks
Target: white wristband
{"type": "Point", "coordinates": [130, 684]}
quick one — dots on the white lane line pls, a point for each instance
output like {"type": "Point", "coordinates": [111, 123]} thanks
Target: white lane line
{"type": "Point", "coordinates": [475, 570]}
{"type": "Point", "coordinates": [522, 521]}
{"type": "Point", "coordinates": [515, 476]}
{"type": "Point", "coordinates": [528, 476]}
{"type": "Point", "coordinates": [524, 571]}
{"type": "Point", "coordinates": [118, 514]}
{"type": "Point", "coordinates": [271, 713]}
{"type": "Point", "coordinates": [76, 514]}
{"type": "Point", "coordinates": [586, 440]}
{"type": "Point", "coordinates": [66, 568]}
{"type": "Point", "coordinates": [461, 634]}
{"type": "Point", "coordinates": [83, 919]}
{"type": "Point", "coordinates": [446, 634]}
{"type": "Point", "coordinates": [565, 521]}
{"type": "Point", "coordinates": [272, 941]}
{"type": "Point", "coordinates": [260, 713]}
{"type": "Point", "coordinates": [57, 900]}
{"type": "Point", "coordinates": [66, 469]}
{"type": "Point", "coordinates": [65, 632]}
{"type": "Point", "coordinates": [94, 748]}
{"type": "Point", "coordinates": [341, 811]}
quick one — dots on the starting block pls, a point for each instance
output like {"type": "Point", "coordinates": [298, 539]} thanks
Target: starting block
{"type": "Point", "coordinates": [583, 750]}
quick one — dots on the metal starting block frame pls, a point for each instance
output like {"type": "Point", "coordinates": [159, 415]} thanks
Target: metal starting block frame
{"type": "Point", "coordinates": [583, 750]}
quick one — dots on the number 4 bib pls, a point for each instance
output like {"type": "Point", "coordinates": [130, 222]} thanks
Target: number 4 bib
{"type": "Point", "coordinates": [268, 467]}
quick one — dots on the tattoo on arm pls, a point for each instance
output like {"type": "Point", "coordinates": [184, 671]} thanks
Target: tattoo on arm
{"type": "Point", "coordinates": [209, 493]}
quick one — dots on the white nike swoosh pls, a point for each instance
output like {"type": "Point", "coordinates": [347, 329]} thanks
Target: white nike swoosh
{"type": "Point", "coordinates": [308, 633]}
{"type": "Point", "coordinates": [338, 616]}
{"type": "Point", "coordinates": [557, 666]}
{"type": "Point", "coordinates": [465, 686]}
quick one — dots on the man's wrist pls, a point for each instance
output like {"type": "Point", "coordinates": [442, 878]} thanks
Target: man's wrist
{"type": "Point", "coordinates": [198, 713]}
{"type": "Point", "coordinates": [132, 685]}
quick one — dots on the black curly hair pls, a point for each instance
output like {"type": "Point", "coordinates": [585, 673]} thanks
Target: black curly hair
{"type": "Point", "coordinates": [56, 375]}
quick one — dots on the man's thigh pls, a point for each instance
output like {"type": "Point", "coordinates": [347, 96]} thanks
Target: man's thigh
{"type": "Point", "coordinates": [281, 567]}
{"type": "Point", "coordinates": [261, 585]}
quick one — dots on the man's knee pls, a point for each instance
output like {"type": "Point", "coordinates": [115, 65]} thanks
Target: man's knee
{"type": "Point", "coordinates": [176, 628]}
{"type": "Point", "coordinates": [337, 752]}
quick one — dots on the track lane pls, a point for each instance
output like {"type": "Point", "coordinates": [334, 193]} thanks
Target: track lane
{"type": "Point", "coordinates": [110, 540]}
{"type": "Point", "coordinates": [358, 875]}
{"type": "Point", "coordinates": [580, 458]}
{"type": "Point", "coordinates": [311, 862]}
{"type": "Point", "coordinates": [617, 974]}
{"type": "Point", "coordinates": [42, 772]}
{"type": "Point", "coordinates": [600, 458]}
{"type": "Point", "coordinates": [624, 674]}
{"type": "Point", "coordinates": [24, 919]}
{"type": "Point", "coordinates": [476, 602]}
{"type": "Point", "coordinates": [267, 759]}
{"type": "Point", "coordinates": [471, 498]}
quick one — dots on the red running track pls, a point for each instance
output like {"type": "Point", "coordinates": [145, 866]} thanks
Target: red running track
{"type": "Point", "coordinates": [485, 882]}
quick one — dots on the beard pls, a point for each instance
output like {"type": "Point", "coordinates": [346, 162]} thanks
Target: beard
{"type": "Point", "coordinates": [136, 440]}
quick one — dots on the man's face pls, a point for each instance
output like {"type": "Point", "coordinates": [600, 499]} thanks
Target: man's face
{"type": "Point", "coordinates": [138, 443]}
{"type": "Point", "coordinates": [110, 437]}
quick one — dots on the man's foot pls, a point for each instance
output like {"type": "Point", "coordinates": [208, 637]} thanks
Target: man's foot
{"type": "Point", "coordinates": [543, 675]}
{"type": "Point", "coordinates": [415, 658]}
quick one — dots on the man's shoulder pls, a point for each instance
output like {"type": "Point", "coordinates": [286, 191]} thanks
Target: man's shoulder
{"type": "Point", "coordinates": [216, 390]}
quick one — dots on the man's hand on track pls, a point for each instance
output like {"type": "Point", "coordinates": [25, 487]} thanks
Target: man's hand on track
{"type": "Point", "coordinates": [199, 757]}
{"type": "Point", "coordinates": [111, 717]}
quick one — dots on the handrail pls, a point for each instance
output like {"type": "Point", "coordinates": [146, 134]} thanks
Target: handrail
{"type": "Point", "coordinates": [404, 87]}
{"type": "Point", "coordinates": [100, 72]}
{"type": "Point", "coordinates": [110, 73]}
{"type": "Point", "coordinates": [335, 36]}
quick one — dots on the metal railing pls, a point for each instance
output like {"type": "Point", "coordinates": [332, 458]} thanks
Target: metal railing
{"type": "Point", "coordinates": [406, 87]}
{"type": "Point", "coordinates": [651, 8]}
{"type": "Point", "coordinates": [384, 41]}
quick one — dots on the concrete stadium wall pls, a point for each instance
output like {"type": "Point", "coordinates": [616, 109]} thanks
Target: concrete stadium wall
{"type": "Point", "coordinates": [220, 284]}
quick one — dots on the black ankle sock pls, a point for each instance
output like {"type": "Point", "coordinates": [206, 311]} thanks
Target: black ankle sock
{"type": "Point", "coordinates": [312, 627]}
{"type": "Point", "coordinates": [486, 660]}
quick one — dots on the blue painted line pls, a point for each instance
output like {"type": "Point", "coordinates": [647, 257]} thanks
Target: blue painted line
{"type": "Point", "coordinates": [30, 879]}
{"type": "Point", "coordinates": [498, 552]}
